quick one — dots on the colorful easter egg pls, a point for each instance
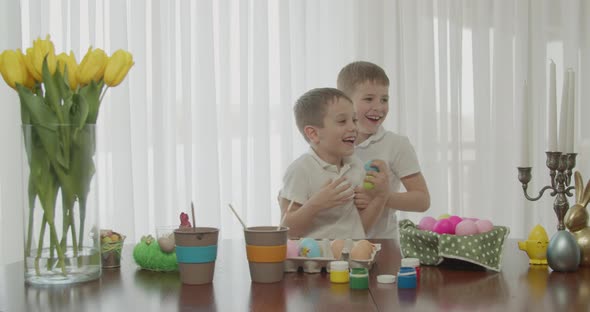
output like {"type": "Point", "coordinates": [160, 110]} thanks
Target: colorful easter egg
{"type": "Point", "coordinates": [443, 216]}
{"type": "Point", "coordinates": [484, 226]}
{"type": "Point", "coordinates": [369, 185]}
{"type": "Point", "coordinates": [369, 167]}
{"type": "Point", "coordinates": [309, 247]}
{"type": "Point", "coordinates": [292, 249]}
{"type": "Point", "coordinates": [455, 220]}
{"type": "Point", "coordinates": [443, 226]}
{"type": "Point", "coordinates": [466, 227]}
{"type": "Point", "coordinates": [472, 219]}
{"type": "Point", "coordinates": [427, 223]}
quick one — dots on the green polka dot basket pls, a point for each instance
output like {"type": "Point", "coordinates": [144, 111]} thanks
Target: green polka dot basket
{"type": "Point", "coordinates": [431, 248]}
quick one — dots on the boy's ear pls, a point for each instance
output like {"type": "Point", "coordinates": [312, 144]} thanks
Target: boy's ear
{"type": "Point", "coordinates": [311, 133]}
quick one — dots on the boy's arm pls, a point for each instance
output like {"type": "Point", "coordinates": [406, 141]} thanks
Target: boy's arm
{"type": "Point", "coordinates": [415, 199]}
{"type": "Point", "coordinates": [370, 215]}
{"type": "Point", "coordinates": [297, 218]}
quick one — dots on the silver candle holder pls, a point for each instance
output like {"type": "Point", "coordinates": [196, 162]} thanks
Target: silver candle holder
{"type": "Point", "coordinates": [560, 170]}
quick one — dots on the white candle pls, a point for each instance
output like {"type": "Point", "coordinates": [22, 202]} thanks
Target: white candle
{"type": "Point", "coordinates": [552, 111]}
{"type": "Point", "coordinates": [571, 99]}
{"type": "Point", "coordinates": [524, 129]}
{"type": "Point", "coordinates": [563, 115]}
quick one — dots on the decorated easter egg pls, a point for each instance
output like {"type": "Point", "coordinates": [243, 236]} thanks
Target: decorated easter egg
{"type": "Point", "coordinates": [337, 246]}
{"type": "Point", "coordinates": [455, 220]}
{"type": "Point", "coordinates": [443, 216]}
{"type": "Point", "coordinates": [563, 252]}
{"type": "Point", "coordinates": [484, 226]}
{"type": "Point", "coordinates": [370, 167]}
{"type": "Point", "coordinates": [426, 223]}
{"type": "Point", "coordinates": [369, 185]}
{"type": "Point", "coordinates": [466, 227]}
{"type": "Point", "coordinates": [292, 249]}
{"type": "Point", "coordinates": [309, 247]}
{"type": "Point", "coordinates": [362, 250]}
{"type": "Point", "coordinates": [443, 226]}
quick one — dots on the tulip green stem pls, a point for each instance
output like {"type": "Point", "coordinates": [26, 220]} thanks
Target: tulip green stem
{"type": "Point", "coordinates": [40, 246]}
{"type": "Point", "coordinates": [60, 252]}
{"type": "Point", "coordinates": [82, 203]}
{"type": "Point", "coordinates": [32, 197]}
{"type": "Point", "coordinates": [104, 91]}
{"type": "Point", "coordinates": [68, 222]}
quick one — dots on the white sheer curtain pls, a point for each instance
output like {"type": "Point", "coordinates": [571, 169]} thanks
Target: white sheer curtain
{"type": "Point", "coordinates": [205, 115]}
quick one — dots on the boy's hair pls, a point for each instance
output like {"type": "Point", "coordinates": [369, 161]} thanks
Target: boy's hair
{"type": "Point", "coordinates": [310, 109]}
{"type": "Point", "coordinates": [356, 73]}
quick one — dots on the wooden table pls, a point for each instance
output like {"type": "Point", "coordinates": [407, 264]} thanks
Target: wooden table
{"type": "Point", "coordinates": [444, 288]}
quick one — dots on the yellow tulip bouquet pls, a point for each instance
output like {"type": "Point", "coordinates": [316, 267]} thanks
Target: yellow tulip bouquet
{"type": "Point", "coordinates": [59, 99]}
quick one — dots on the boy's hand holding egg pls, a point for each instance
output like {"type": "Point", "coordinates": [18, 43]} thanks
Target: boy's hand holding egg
{"type": "Point", "coordinates": [368, 185]}
{"type": "Point", "coordinates": [376, 177]}
{"type": "Point", "coordinates": [376, 183]}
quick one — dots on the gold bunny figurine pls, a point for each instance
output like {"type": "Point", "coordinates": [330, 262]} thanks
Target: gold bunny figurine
{"type": "Point", "coordinates": [576, 218]}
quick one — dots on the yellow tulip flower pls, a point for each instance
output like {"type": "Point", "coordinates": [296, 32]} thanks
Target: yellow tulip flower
{"type": "Point", "coordinates": [117, 67]}
{"type": "Point", "coordinates": [69, 61]}
{"type": "Point", "coordinates": [29, 81]}
{"type": "Point", "coordinates": [37, 53]}
{"type": "Point", "coordinates": [14, 70]}
{"type": "Point", "coordinates": [92, 66]}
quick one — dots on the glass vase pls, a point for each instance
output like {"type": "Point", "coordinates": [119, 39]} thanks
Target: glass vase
{"type": "Point", "coordinates": [62, 244]}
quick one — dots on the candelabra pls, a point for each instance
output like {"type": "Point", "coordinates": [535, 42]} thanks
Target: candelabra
{"type": "Point", "coordinates": [560, 170]}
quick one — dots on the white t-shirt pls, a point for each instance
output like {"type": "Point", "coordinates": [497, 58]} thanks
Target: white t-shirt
{"type": "Point", "coordinates": [397, 151]}
{"type": "Point", "coordinates": [305, 177]}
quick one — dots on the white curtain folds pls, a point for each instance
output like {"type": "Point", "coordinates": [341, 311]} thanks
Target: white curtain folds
{"type": "Point", "coordinates": [205, 115]}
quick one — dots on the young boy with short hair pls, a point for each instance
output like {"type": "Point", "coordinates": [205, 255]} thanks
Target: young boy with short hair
{"type": "Point", "coordinates": [367, 85]}
{"type": "Point", "coordinates": [317, 196]}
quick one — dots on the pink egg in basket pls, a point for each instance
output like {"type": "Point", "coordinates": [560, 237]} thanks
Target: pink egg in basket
{"type": "Point", "coordinates": [444, 226]}
{"type": "Point", "coordinates": [484, 226]}
{"type": "Point", "coordinates": [427, 223]}
{"type": "Point", "coordinates": [455, 220]}
{"type": "Point", "coordinates": [466, 227]}
{"type": "Point", "coordinates": [292, 249]}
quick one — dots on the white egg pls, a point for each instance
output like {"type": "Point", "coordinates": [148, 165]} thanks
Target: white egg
{"type": "Point", "coordinates": [166, 244]}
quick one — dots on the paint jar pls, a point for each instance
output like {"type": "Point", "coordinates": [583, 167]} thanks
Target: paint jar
{"type": "Point", "coordinates": [339, 272]}
{"type": "Point", "coordinates": [406, 278]}
{"type": "Point", "coordinates": [412, 263]}
{"type": "Point", "coordinates": [359, 278]}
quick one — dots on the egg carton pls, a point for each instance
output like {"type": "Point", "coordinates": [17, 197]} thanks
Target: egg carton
{"type": "Point", "coordinates": [319, 264]}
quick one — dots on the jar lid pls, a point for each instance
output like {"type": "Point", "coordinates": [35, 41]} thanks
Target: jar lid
{"type": "Point", "coordinates": [410, 262]}
{"type": "Point", "coordinates": [338, 266]}
{"type": "Point", "coordinates": [359, 272]}
{"type": "Point", "coordinates": [386, 279]}
{"type": "Point", "coordinates": [406, 272]}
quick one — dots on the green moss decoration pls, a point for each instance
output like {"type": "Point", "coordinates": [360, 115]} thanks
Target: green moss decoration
{"type": "Point", "coordinates": [148, 255]}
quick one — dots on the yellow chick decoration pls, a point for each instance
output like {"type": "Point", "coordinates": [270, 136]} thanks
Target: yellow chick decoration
{"type": "Point", "coordinates": [536, 245]}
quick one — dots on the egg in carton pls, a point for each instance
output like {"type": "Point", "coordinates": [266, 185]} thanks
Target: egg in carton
{"type": "Point", "coordinates": [314, 255]}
